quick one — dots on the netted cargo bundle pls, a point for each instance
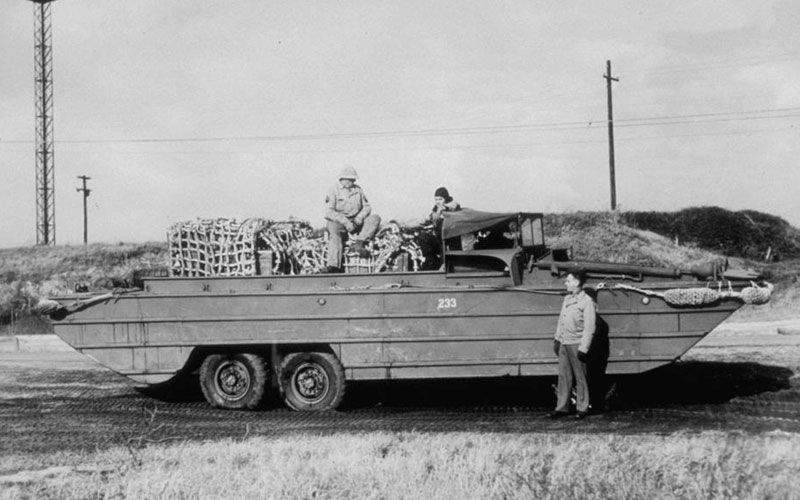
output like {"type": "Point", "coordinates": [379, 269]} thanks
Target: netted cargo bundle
{"type": "Point", "coordinates": [698, 297]}
{"type": "Point", "coordinates": [214, 247]}
{"type": "Point", "coordinates": [392, 249]}
{"type": "Point", "coordinates": [291, 247]}
{"type": "Point", "coordinates": [757, 294]}
{"type": "Point", "coordinates": [690, 296]}
{"type": "Point", "coordinates": [225, 247]}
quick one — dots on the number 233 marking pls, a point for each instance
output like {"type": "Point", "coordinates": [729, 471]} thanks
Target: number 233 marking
{"type": "Point", "coordinates": [448, 303]}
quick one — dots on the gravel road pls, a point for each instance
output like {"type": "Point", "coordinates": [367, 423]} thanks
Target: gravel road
{"type": "Point", "coordinates": [62, 400]}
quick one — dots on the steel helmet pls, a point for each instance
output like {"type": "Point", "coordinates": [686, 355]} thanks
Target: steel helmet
{"type": "Point", "coordinates": [348, 172]}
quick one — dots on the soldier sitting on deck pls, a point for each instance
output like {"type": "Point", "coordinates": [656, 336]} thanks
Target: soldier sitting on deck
{"type": "Point", "coordinates": [349, 215]}
{"type": "Point", "coordinates": [430, 239]}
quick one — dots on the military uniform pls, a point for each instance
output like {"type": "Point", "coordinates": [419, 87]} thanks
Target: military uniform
{"type": "Point", "coordinates": [576, 327]}
{"type": "Point", "coordinates": [430, 242]}
{"type": "Point", "coordinates": [345, 205]}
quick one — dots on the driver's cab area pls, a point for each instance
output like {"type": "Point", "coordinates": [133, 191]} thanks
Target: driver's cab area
{"type": "Point", "coordinates": [501, 249]}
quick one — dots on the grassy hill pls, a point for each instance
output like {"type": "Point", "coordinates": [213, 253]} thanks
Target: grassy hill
{"type": "Point", "coordinates": [609, 237]}
{"type": "Point", "coordinates": [688, 237]}
{"type": "Point", "coordinates": [603, 237]}
{"type": "Point", "coordinates": [746, 233]}
{"type": "Point", "coordinates": [28, 273]}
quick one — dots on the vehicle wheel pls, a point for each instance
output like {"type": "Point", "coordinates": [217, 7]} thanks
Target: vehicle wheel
{"type": "Point", "coordinates": [233, 381]}
{"type": "Point", "coordinates": [311, 381]}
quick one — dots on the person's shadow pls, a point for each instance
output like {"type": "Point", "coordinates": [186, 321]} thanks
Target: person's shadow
{"type": "Point", "coordinates": [697, 382]}
{"type": "Point", "coordinates": [596, 366]}
{"type": "Point", "coordinates": [676, 383]}
{"type": "Point", "coordinates": [598, 361]}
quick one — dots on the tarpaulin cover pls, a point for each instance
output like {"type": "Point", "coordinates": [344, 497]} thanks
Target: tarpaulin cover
{"type": "Point", "coordinates": [468, 221]}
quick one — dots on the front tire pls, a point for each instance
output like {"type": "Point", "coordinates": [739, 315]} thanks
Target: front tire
{"type": "Point", "coordinates": [312, 381]}
{"type": "Point", "coordinates": [233, 381]}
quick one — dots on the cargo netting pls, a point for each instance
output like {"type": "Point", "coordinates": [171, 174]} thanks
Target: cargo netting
{"type": "Point", "coordinates": [227, 247]}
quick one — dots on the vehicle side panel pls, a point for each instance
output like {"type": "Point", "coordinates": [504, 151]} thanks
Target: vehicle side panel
{"type": "Point", "coordinates": [395, 332]}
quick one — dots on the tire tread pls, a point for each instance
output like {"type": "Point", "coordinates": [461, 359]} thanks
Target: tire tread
{"type": "Point", "coordinates": [258, 375]}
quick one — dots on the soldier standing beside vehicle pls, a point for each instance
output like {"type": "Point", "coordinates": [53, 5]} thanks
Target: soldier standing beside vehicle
{"type": "Point", "coordinates": [349, 215]}
{"type": "Point", "coordinates": [576, 327]}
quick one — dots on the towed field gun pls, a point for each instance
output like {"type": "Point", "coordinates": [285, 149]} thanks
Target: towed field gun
{"type": "Point", "coordinates": [489, 311]}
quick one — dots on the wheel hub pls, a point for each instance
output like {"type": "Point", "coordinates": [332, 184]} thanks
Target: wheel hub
{"type": "Point", "coordinates": [311, 382]}
{"type": "Point", "coordinates": [232, 380]}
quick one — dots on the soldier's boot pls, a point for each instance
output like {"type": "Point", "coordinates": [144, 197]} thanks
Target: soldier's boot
{"type": "Point", "coordinates": [358, 247]}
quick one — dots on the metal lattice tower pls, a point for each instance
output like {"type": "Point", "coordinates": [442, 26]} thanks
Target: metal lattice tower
{"type": "Point", "coordinates": [45, 182]}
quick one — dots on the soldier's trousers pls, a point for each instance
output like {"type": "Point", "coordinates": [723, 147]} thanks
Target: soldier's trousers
{"type": "Point", "coordinates": [571, 371]}
{"type": "Point", "coordinates": [337, 234]}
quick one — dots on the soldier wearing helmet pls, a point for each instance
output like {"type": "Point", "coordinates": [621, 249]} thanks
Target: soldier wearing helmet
{"type": "Point", "coordinates": [349, 215]}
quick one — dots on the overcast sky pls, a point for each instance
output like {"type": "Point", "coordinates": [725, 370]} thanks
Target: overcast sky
{"type": "Point", "coordinates": [182, 109]}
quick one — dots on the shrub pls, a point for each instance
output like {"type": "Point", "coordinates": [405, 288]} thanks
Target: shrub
{"type": "Point", "coordinates": [747, 233]}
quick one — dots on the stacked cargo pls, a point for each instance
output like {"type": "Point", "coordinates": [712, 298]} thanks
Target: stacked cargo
{"type": "Point", "coordinates": [290, 247]}
{"type": "Point", "coordinates": [214, 247]}
{"type": "Point", "coordinates": [226, 247]}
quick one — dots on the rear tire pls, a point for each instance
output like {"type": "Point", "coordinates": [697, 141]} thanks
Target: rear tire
{"type": "Point", "coordinates": [233, 381]}
{"type": "Point", "coordinates": [311, 381]}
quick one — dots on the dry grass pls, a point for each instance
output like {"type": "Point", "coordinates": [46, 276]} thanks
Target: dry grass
{"type": "Point", "coordinates": [436, 466]}
{"type": "Point", "coordinates": [71, 264]}
{"type": "Point", "coordinates": [28, 273]}
{"type": "Point", "coordinates": [602, 237]}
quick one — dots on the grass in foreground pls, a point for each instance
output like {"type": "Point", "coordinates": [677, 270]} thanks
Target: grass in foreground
{"type": "Point", "coordinates": [434, 466]}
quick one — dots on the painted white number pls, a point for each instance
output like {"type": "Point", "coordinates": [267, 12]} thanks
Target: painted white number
{"type": "Point", "coordinates": [449, 303]}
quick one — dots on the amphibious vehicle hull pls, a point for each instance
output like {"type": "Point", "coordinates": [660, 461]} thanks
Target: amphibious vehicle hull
{"type": "Point", "coordinates": [409, 325]}
{"type": "Point", "coordinates": [486, 313]}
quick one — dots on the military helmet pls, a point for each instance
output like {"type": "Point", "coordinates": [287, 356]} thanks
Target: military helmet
{"type": "Point", "coordinates": [348, 172]}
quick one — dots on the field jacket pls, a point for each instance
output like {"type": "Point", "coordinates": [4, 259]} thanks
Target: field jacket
{"type": "Point", "coordinates": [346, 204]}
{"type": "Point", "coordinates": [576, 324]}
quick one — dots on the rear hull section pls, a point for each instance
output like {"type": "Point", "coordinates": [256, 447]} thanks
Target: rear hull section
{"type": "Point", "coordinates": [392, 328]}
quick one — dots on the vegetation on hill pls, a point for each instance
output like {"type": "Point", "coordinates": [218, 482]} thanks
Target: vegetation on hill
{"type": "Point", "coordinates": [608, 237]}
{"type": "Point", "coordinates": [28, 273]}
{"type": "Point", "coordinates": [746, 233]}
{"type": "Point", "coordinates": [602, 237]}
{"type": "Point", "coordinates": [676, 240]}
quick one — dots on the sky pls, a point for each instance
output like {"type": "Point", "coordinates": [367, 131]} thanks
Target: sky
{"type": "Point", "coordinates": [193, 109]}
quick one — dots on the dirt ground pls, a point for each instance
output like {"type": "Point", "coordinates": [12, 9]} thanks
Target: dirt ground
{"type": "Point", "coordinates": [741, 379]}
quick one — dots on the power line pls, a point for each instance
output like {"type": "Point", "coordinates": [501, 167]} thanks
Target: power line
{"type": "Point", "coordinates": [459, 147]}
{"type": "Point", "coordinates": [722, 113]}
{"type": "Point", "coordinates": [713, 120]}
{"type": "Point", "coordinates": [728, 116]}
{"type": "Point", "coordinates": [718, 64]}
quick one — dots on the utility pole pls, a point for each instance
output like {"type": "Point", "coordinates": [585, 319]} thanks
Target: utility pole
{"type": "Point", "coordinates": [609, 79]}
{"type": "Point", "coordinates": [85, 196]}
{"type": "Point", "coordinates": [45, 180]}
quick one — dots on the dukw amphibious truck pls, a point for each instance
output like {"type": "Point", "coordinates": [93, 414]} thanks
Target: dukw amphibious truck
{"type": "Point", "coordinates": [487, 312]}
